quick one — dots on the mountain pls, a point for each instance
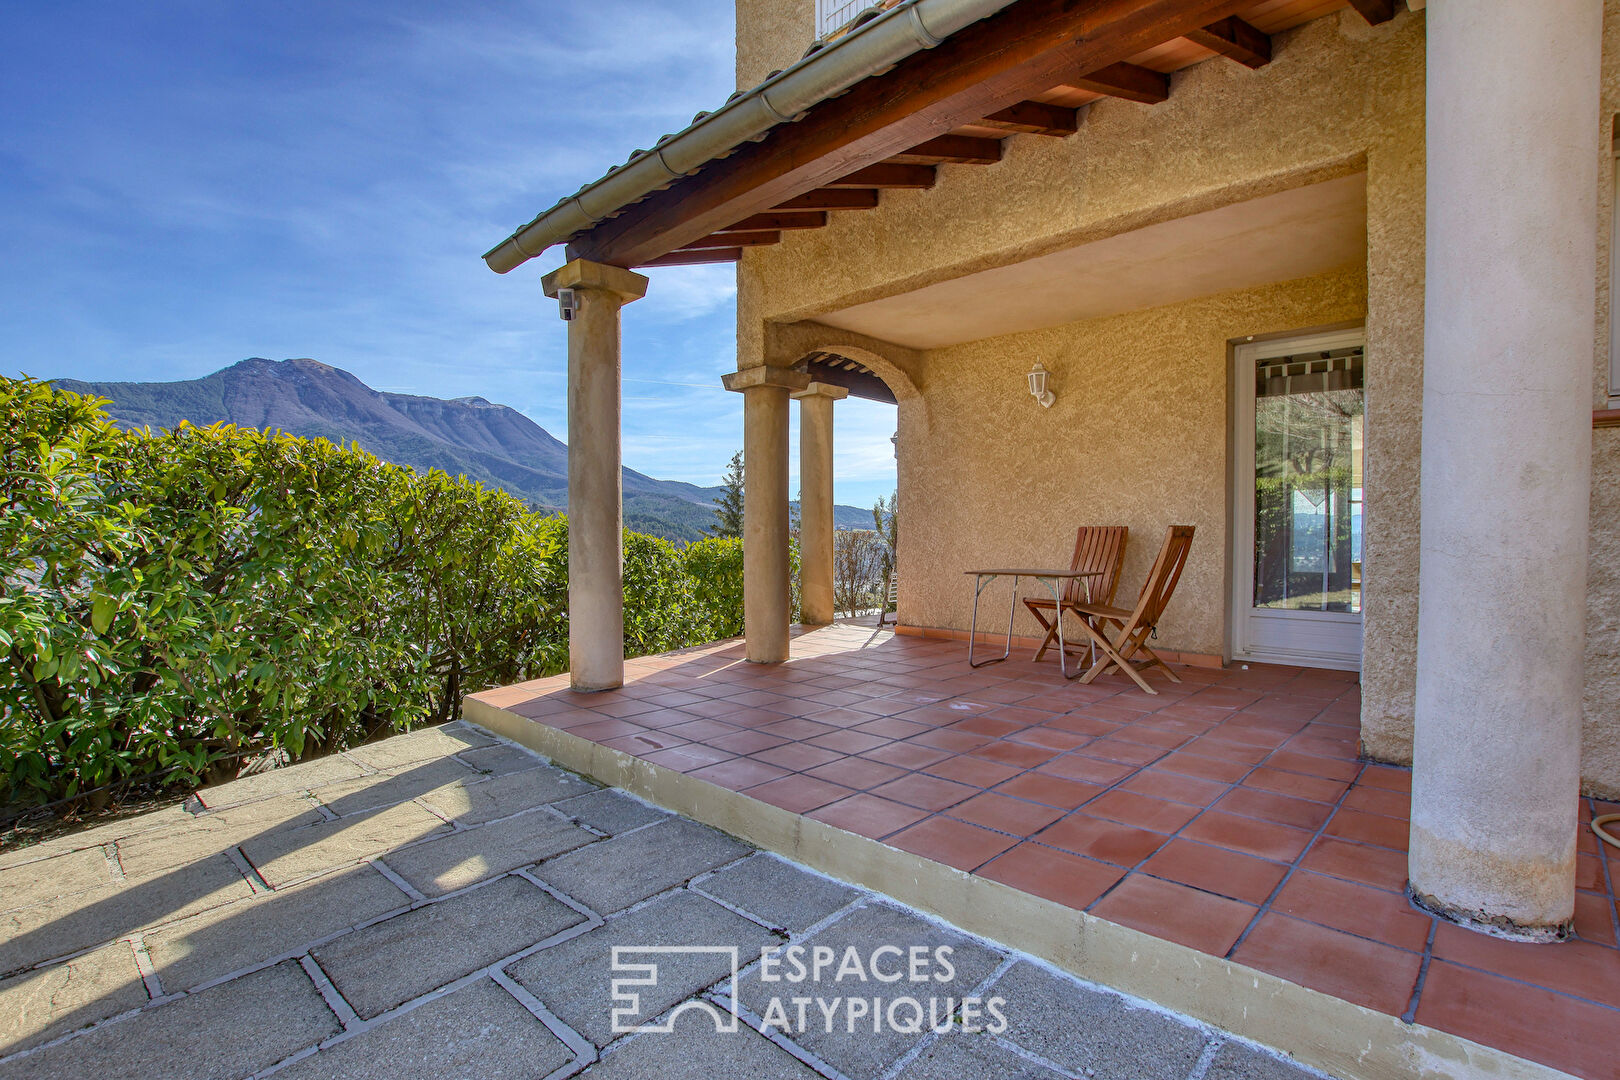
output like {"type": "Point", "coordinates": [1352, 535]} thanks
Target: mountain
{"type": "Point", "coordinates": [492, 444]}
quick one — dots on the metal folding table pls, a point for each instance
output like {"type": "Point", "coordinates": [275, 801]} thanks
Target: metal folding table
{"type": "Point", "coordinates": [1049, 578]}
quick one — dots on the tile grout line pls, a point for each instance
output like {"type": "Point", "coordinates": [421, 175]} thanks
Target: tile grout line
{"type": "Point", "coordinates": [335, 1001]}
{"type": "Point", "coordinates": [143, 964]}
{"type": "Point", "coordinates": [1409, 1014]}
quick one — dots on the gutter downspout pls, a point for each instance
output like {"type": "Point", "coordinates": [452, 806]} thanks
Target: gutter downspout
{"type": "Point", "coordinates": [880, 44]}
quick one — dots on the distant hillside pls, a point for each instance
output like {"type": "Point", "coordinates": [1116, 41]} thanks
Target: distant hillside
{"type": "Point", "coordinates": [493, 444]}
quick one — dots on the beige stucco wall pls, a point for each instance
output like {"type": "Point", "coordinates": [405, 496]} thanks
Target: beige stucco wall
{"type": "Point", "coordinates": [771, 34]}
{"type": "Point", "coordinates": [1339, 97]}
{"type": "Point", "coordinates": [1137, 437]}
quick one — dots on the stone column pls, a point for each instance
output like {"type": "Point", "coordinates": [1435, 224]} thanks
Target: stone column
{"type": "Point", "coordinates": [767, 608]}
{"type": "Point", "coordinates": [816, 606]}
{"type": "Point", "coordinates": [1511, 205]}
{"type": "Point", "coordinates": [595, 473]}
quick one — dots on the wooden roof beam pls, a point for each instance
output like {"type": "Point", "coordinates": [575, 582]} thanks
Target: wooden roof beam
{"type": "Point", "coordinates": [955, 149]}
{"type": "Point", "coordinates": [1235, 39]}
{"type": "Point", "coordinates": [785, 219]}
{"type": "Point", "coordinates": [695, 258]}
{"type": "Point", "coordinates": [1374, 11]}
{"type": "Point", "coordinates": [991, 65]}
{"type": "Point", "coordinates": [1129, 81]}
{"type": "Point", "coordinates": [833, 199]}
{"type": "Point", "coordinates": [1034, 118]}
{"type": "Point", "coordinates": [883, 175]}
{"type": "Point", "coordinates": [736, 239]}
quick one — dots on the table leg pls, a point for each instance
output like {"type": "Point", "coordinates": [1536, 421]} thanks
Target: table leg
{"type": "Point", "coordinates": [979, 582]}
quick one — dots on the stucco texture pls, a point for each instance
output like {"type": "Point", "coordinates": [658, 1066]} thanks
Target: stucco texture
{"type": "Point", "coordinates": [987, 478]}
{"type": "Point", "coordinates": [771, 34]}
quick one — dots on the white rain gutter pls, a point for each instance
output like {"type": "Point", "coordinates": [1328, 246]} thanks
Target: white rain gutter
{"type": "Point", "coordinates": [878, 45]}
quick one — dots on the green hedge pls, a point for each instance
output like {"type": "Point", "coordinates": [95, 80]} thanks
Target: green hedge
{"type": "Point", "coordinates": [177, 602]}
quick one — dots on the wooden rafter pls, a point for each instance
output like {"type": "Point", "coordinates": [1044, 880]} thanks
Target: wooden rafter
{"type": "Point", "coordinates": [883, 175]}
{"type": "Point", "coordinates": [695, 258]}
{"type": "Point", "coordinates": [957, 149]}
{"type": "Point", "coordinates": [1236, 40]}
{"type": "Point", "coordinates": [1034, 118]}
{"type": "Point", "coordinates": [785, 219]}
{"type": "Point", "coordinates": [1129, 81]}
{"type": "Point", "coordinates": [1375, 11]}
{"type": "Point", "coordinates": [736, 239]}
{"type": "Point", "coordinates": [833, 199]}
{"type": "Point", "coordinates": [982, 69]}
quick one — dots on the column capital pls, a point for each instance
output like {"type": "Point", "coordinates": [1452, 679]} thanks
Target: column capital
{"type": "Point", "coordinates": [823, 390]}
{"type": "Point", "coordinates": [584, 274]}
{"type": "Point", "coordinates": [755, 377]}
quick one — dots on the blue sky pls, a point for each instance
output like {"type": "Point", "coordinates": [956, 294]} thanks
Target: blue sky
{"type": "Point", "coordinates": [186, 184]}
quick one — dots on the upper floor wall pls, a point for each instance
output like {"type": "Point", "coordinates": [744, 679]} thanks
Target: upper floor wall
{"type": "Point", "coordinates": [771, 34]}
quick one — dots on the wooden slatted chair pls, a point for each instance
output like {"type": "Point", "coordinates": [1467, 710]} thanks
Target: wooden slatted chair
{"type": "Point", "coordinates": [1096, 547]}
{"type": "Point", "coordinates": [1128, 650]}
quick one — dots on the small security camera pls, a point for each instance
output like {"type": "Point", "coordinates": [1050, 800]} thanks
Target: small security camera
{"type": "Point", "coordinates": [565, 304]}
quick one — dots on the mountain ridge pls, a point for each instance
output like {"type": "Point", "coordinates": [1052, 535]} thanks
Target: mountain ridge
{"type": "Point", "coordinates": [485, 441]}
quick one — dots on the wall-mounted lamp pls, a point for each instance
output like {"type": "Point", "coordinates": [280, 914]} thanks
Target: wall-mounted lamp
{"type": "Point", "coordinates": [1037, 386]}
{"type": "Point", "coordinates": [566, 304]}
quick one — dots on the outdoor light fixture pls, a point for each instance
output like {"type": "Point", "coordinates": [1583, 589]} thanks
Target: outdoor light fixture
{"type": "Point", "coordinates": [566, 304]}
{"type": "Point", "coordinates": [1037, 386]}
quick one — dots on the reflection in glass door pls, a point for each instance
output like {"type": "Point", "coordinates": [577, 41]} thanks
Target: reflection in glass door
{"type": "Point", "coordinates": [1301, 412]}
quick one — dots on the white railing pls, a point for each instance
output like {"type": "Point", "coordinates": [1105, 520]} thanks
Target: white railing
{"type": "Point", "coordinates": [833, 14]}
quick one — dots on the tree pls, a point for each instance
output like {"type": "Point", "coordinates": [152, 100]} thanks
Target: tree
{"type": "Point", "coordinates": [857, 569]}
{"type": "Point", "coordinates": [728, 508]}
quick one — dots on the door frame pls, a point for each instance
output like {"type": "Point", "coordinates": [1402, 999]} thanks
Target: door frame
{"type": "Point", "coordinates": [1316, 629]}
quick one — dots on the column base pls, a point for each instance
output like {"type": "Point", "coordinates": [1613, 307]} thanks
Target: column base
{"type": "Point", "coordinates": [1497, 926]}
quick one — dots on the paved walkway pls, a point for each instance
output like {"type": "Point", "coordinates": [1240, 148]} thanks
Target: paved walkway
{"type": "Point", "coordinates": [442, 904]}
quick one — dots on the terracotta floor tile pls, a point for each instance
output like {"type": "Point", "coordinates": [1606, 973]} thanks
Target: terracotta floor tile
{"type": "Point", "coordinates": [1594, 917]}
{"type": "Point", "coordinates": [797, 756]}
{"type": "Point", "coordinates": [996, 727]}
{"type": "Point", "coordinates": [1572, 967]}
{"type": "Point", "coordinates": [926, 792]}
{"type": "Point", "coordinates": [1311, 764]}
{"type": "Point", "coordinates": [702, 730]}
{"type": "Point", "coordinates": [1091, 770]}
{"type": "Point", "coordinates": [889, 727]}
{"type": "Point", "coordinates": [840, 718]}
{"type": "Point", "coordinates": [796, 727]}
{"type": "Point", "coordinates": [908, 755]}
{"type": "Point", "coordinates": [1177, 787]}
{"type": "Point", "coordinates": [957, 742]}
{"type": "Point", "coordinates": [855, 772]}
{"type": "Point", "coordinates": [1295, 785]}
{"type": "Point", "coordinates": [954, 843]}
{"type": "Point", "coordinates": [869, 815]}
{"type": "Point", "coordinates": [1252, 802]}
{"type": "Point", "coordinates": [1177, 913]}
{"type": "Point", "coordinates": [1112, 748]}
{"type": "Point", "coordinates": [1355, 969]}
{"type": "Point", "coordinates": [1354, 908]}
{"type": "Point", "coordinates": [687, 757]}
{"type": "Point", "coordinates": [1141, 810]}
{"type": "Point", "coordinates": [970, 769]}
{"type": "Point", "coordinates": [1220, 770]}
{"type": "Point", "coordinates": [746, 742]}
{"type": "Point", "coordinates": [1022, 755]}
{"type": "Point", "coordinates": [1374, 866]}
{"type": "Point", "coordinates": [1082, 725]}
{"type": "Point", "coordinates": [1214, 746]}
{"type": "Point", "coordinates": [1100, 839]}
{"type": "Point", "coordinates": [1266, 839]}
{"type": "Point", "coordinates": [799, 794]}
{"type": "Point", "coordinates": [611, 704]}
{"type": "Point", "coordinates": [1376, 800]}
{"type": "Point", "coordinates": [1015, 816]}
{"type": "Point", "coordinates": [605, 728]}
{"type": "Point", "coordinates": [1528, 1021]}
{"type": "Point", "coordinates": [848, 742]}
{"type": "Point", "coordinates": [1216, 870]}
{"type": "Point", "coordinates": [739, 773]}
{"type": "Point", "coordinates": [1054, 875]}
{"type": "Point", "coordinates": [1369, 829]}
{"type": "Point", "coordinates": [1051, 790]}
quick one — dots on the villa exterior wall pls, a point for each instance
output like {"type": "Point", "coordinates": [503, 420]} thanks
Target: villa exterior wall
{"type": "Point", "coordinates": [983, 479]}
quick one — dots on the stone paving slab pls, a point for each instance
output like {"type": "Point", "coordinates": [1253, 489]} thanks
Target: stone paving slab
{"type": "Point", "coordinates": [426, 744]}
{"type": "Point", "coordinates": [499, 759]}
{"type": "Point", "coordinates": [476, 1032]}
{"type": "Point", "coordinates": [479, 799]}
{"type": "Point", "coordinates": [208, 834]}
{"type": "Point", "coordinates": [37, 1006]}
{"type": "Point", "coordinates": [350, 797]}
{"type": "Point", "coordinates": [778, 892]}
{"type": "Point", "coordinates": [574, 978]}
{"type": "Point", "coordinates": [232, 1030]}
{"type": "Point", "coordinates": [1094, 1031]}
{"type": "Point", "coordinates": [389, 963]}
{"type": "Point", "coordinates": [96, 836]}
{"type": "Point", "coordinates": [69, 924]}
{"type": "Point", "coordinates": [695, 1051]}
{"type": "Point", "coordinates": [284, 857]}
{"type": "Point", "coordinates": [969, 1057]}
{"type": "Point", "coordinates": [72, 872]}
{"type": "Point", "coordinates": [310, 774]}
{"type": "Point", "coordinates": [460, 859]}
{"type": "Point", "coordinates": [221, 940]}
{"type": "Point", "coordinates": [616, 873]}
{"type": "Point", "coordinates": [610, 811]}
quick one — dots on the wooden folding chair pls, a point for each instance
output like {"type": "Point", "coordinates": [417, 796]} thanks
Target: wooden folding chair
{"type": "Point", "coordinates": [1096, 547]}
{"type": "Point", "coordinates": [1129, 650]}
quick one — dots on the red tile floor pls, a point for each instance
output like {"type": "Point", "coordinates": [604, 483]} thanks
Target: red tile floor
{"type": "Point", "coordinates": [1229, 813]}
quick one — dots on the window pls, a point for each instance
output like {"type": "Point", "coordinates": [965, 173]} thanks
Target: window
{"type": "Point", "coordinates": [834, 14]}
